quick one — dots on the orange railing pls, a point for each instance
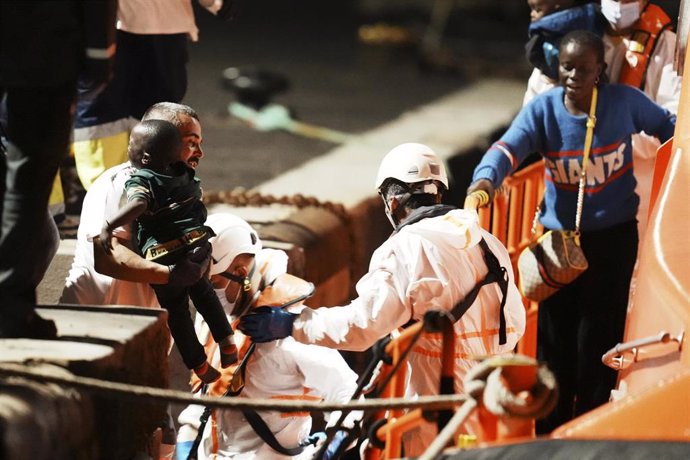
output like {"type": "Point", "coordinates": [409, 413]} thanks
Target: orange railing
{"type": "Point", "coordinates": [510, 219]}
{"type": "Point", "coordinates": [386, 434]}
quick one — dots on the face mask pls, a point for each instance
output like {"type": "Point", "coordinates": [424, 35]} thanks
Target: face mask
{"type": "Point", "coordinates": [620, 15]}
{"type": "Point", "coordinates": [227, 305]}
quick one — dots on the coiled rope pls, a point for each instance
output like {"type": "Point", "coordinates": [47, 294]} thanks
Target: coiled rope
{"type": "Point", "coordinates": [484, 385]}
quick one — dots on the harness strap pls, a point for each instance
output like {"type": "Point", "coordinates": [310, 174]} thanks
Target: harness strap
{"type": "Point", "coordinates": [643, 40]}
{"type": "Point", "coordinates": [265, 433]}
{"type": "Point", "coordinates": [235, 388]}
{"type": "Point", "coordinates": [496, 274]}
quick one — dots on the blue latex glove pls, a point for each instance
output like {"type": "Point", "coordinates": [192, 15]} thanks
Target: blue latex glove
{"type": "Point", "coordinates": [183, 449]}
{"type": "Point", "coordinates": [266, 324]}
{"type": "Point", "coordinates": [335, 443]}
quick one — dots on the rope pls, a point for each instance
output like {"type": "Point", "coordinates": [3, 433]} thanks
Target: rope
{"type": "Point", "coordinates": [543, 396]}
{"type": "Point", "coordinates": [485, 383]}
{"type": "Point", "coordinates": [240, 197]}
{"type": "Point", "coordinates": [181, 397]}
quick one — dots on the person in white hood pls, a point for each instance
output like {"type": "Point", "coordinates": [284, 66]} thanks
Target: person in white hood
{"type": "Point", "coordinates": [246, 275]}
{"type": "Point", "coordinates": [433, 260]}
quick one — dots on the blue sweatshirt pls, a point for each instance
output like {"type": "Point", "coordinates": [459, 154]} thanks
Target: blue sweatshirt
{"type": "Point", "coordinates": [545, 126]}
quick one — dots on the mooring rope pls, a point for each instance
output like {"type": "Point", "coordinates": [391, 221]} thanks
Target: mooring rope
{"type": "Point", "coordinates": [174, 396]}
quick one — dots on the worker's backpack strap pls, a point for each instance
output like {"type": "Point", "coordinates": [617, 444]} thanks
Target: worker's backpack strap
{"type": "Point", "coordinates": [265, 433]}
{"type": "Point", "coordinates": [496, 274]}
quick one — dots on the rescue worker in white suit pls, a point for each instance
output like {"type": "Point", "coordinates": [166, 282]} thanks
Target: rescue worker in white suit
{"type": "Point", "coordinates": [433, 259]}
{"type": "Point", "coordinates": [245, 276]}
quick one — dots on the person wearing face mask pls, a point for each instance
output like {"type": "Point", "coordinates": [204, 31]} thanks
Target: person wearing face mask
{"type": "Point", "coordinates": [639, 51]}
{"type": "Point", "coordinates": [550, 21]}
{"type": "Point", "coordinates": [438, 257]}
{"type": "Point", "coordinates": [586, 318]}
{"type": "Point", "coordinates": [246, 275]}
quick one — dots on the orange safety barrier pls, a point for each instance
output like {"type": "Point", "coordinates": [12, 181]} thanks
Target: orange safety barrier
{"type": "Point", "coordinates": [510, 218]}
{"type": "Point", "coordinates": [391, 425]}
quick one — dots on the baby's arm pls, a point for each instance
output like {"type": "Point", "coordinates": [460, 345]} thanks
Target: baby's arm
{"type": "Point", "coordinates": [126, 215]}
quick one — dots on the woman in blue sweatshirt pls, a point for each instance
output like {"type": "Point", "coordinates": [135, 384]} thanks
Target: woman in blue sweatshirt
{"type": "Point", "coordinates": [579, 323]}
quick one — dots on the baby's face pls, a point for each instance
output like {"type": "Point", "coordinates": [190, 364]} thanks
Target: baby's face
{"type": "Point", "coordinates": [541, 8]}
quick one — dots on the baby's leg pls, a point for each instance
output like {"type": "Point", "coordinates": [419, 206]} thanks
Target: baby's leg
{"type": "Point", "coordinates": [207, 304]}
{"type": "Point", "coordinates": [176, 301]}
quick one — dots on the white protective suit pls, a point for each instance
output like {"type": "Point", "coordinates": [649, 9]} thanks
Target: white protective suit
{"type": "Point", "coordinates": [285, 370]}
{"type": "Point", "coordinates": [430, 264]}
{"type": "Point", "coordinates": [662, 85]}
{"type": "Point", "coordinates": [84, 285]}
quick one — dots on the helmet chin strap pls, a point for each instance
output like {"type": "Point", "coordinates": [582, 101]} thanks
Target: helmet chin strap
{"type": "Point", "coordinates": [389, 213]}
{"type": "Point", "coordinates": [402, 201]}
{"type": "Point", "coordinates": [251, 287]}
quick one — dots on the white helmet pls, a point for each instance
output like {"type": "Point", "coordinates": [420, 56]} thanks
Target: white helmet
{"type": "Point", "coordinates": [234, 236]}
{"type": "Point", "coordinates": [411, 163]}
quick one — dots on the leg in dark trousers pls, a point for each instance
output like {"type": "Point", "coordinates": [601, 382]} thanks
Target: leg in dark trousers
{"type": "Point", "coordinates": [557, 346]}
{"type": "Point", "coordinates": [38, 127]}
{"type": "Point", "coordinates": [208, 306]}
{"type": "Point", "coordinates": [175, 299]}
{"type": "Point", "coordinates": [604, 303]}
{"type": "Point", "coordinates": [581, 322]}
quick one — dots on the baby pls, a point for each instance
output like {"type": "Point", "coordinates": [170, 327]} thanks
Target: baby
{"type": "Point", "coordinates": [164, 199]}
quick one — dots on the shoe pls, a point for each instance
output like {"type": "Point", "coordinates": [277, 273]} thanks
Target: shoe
{"type": "Point", "coordinates": [68, 227]}
{"type": "Point", "coordinates": [207, 373]}
{"type": "Point", "coordinates": [228, 355]}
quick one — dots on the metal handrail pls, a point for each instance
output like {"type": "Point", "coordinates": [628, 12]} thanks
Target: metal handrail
{"type": "Point", "coordinates": [615, 357]}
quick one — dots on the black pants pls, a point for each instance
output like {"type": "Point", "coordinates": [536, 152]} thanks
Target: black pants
{"type": "Point", "coordinates": [175, 300]}
{"type": "Point", "coordinates": [148, 69]}
{"type": "Point", "coordinates": [582, 321]}
{"type": "Point", "coordinates": [38, 125]}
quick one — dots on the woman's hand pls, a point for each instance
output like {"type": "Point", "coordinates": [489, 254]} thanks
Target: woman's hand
{"type": "Point", "coordinates": [479, 194]}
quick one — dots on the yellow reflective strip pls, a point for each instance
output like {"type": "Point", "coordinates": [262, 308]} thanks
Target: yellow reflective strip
{"type": "Point", "coordinates": [302, 397]}
{"type": "Point", "coordinates": [472, 335]}
{"type": "Point", "coordinates": [93, 157]}
{"type": "Point", "coordinates": [56, 194]}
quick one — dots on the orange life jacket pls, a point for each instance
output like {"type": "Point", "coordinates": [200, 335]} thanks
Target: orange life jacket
{"type": "Point", "coordinates": [284, 290]}
{"type": "Point", "coordinates": [642, 43]}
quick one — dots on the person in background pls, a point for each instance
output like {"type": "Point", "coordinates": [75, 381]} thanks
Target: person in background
{"type": "Point", "coordinates": [432, 261]}
{"type": "Point", "coordinates": [550, 21]}
{"type": "Point", "coordinates": [639, 51]}
{"type": "Point", "coordinates": [44, 46]}
{"type": "Point", "coordinates": [152, 40]}
{"type": "Point", "coordinates": [246, 275]}
{"type": "Point", "coordinates": [582, 321]}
